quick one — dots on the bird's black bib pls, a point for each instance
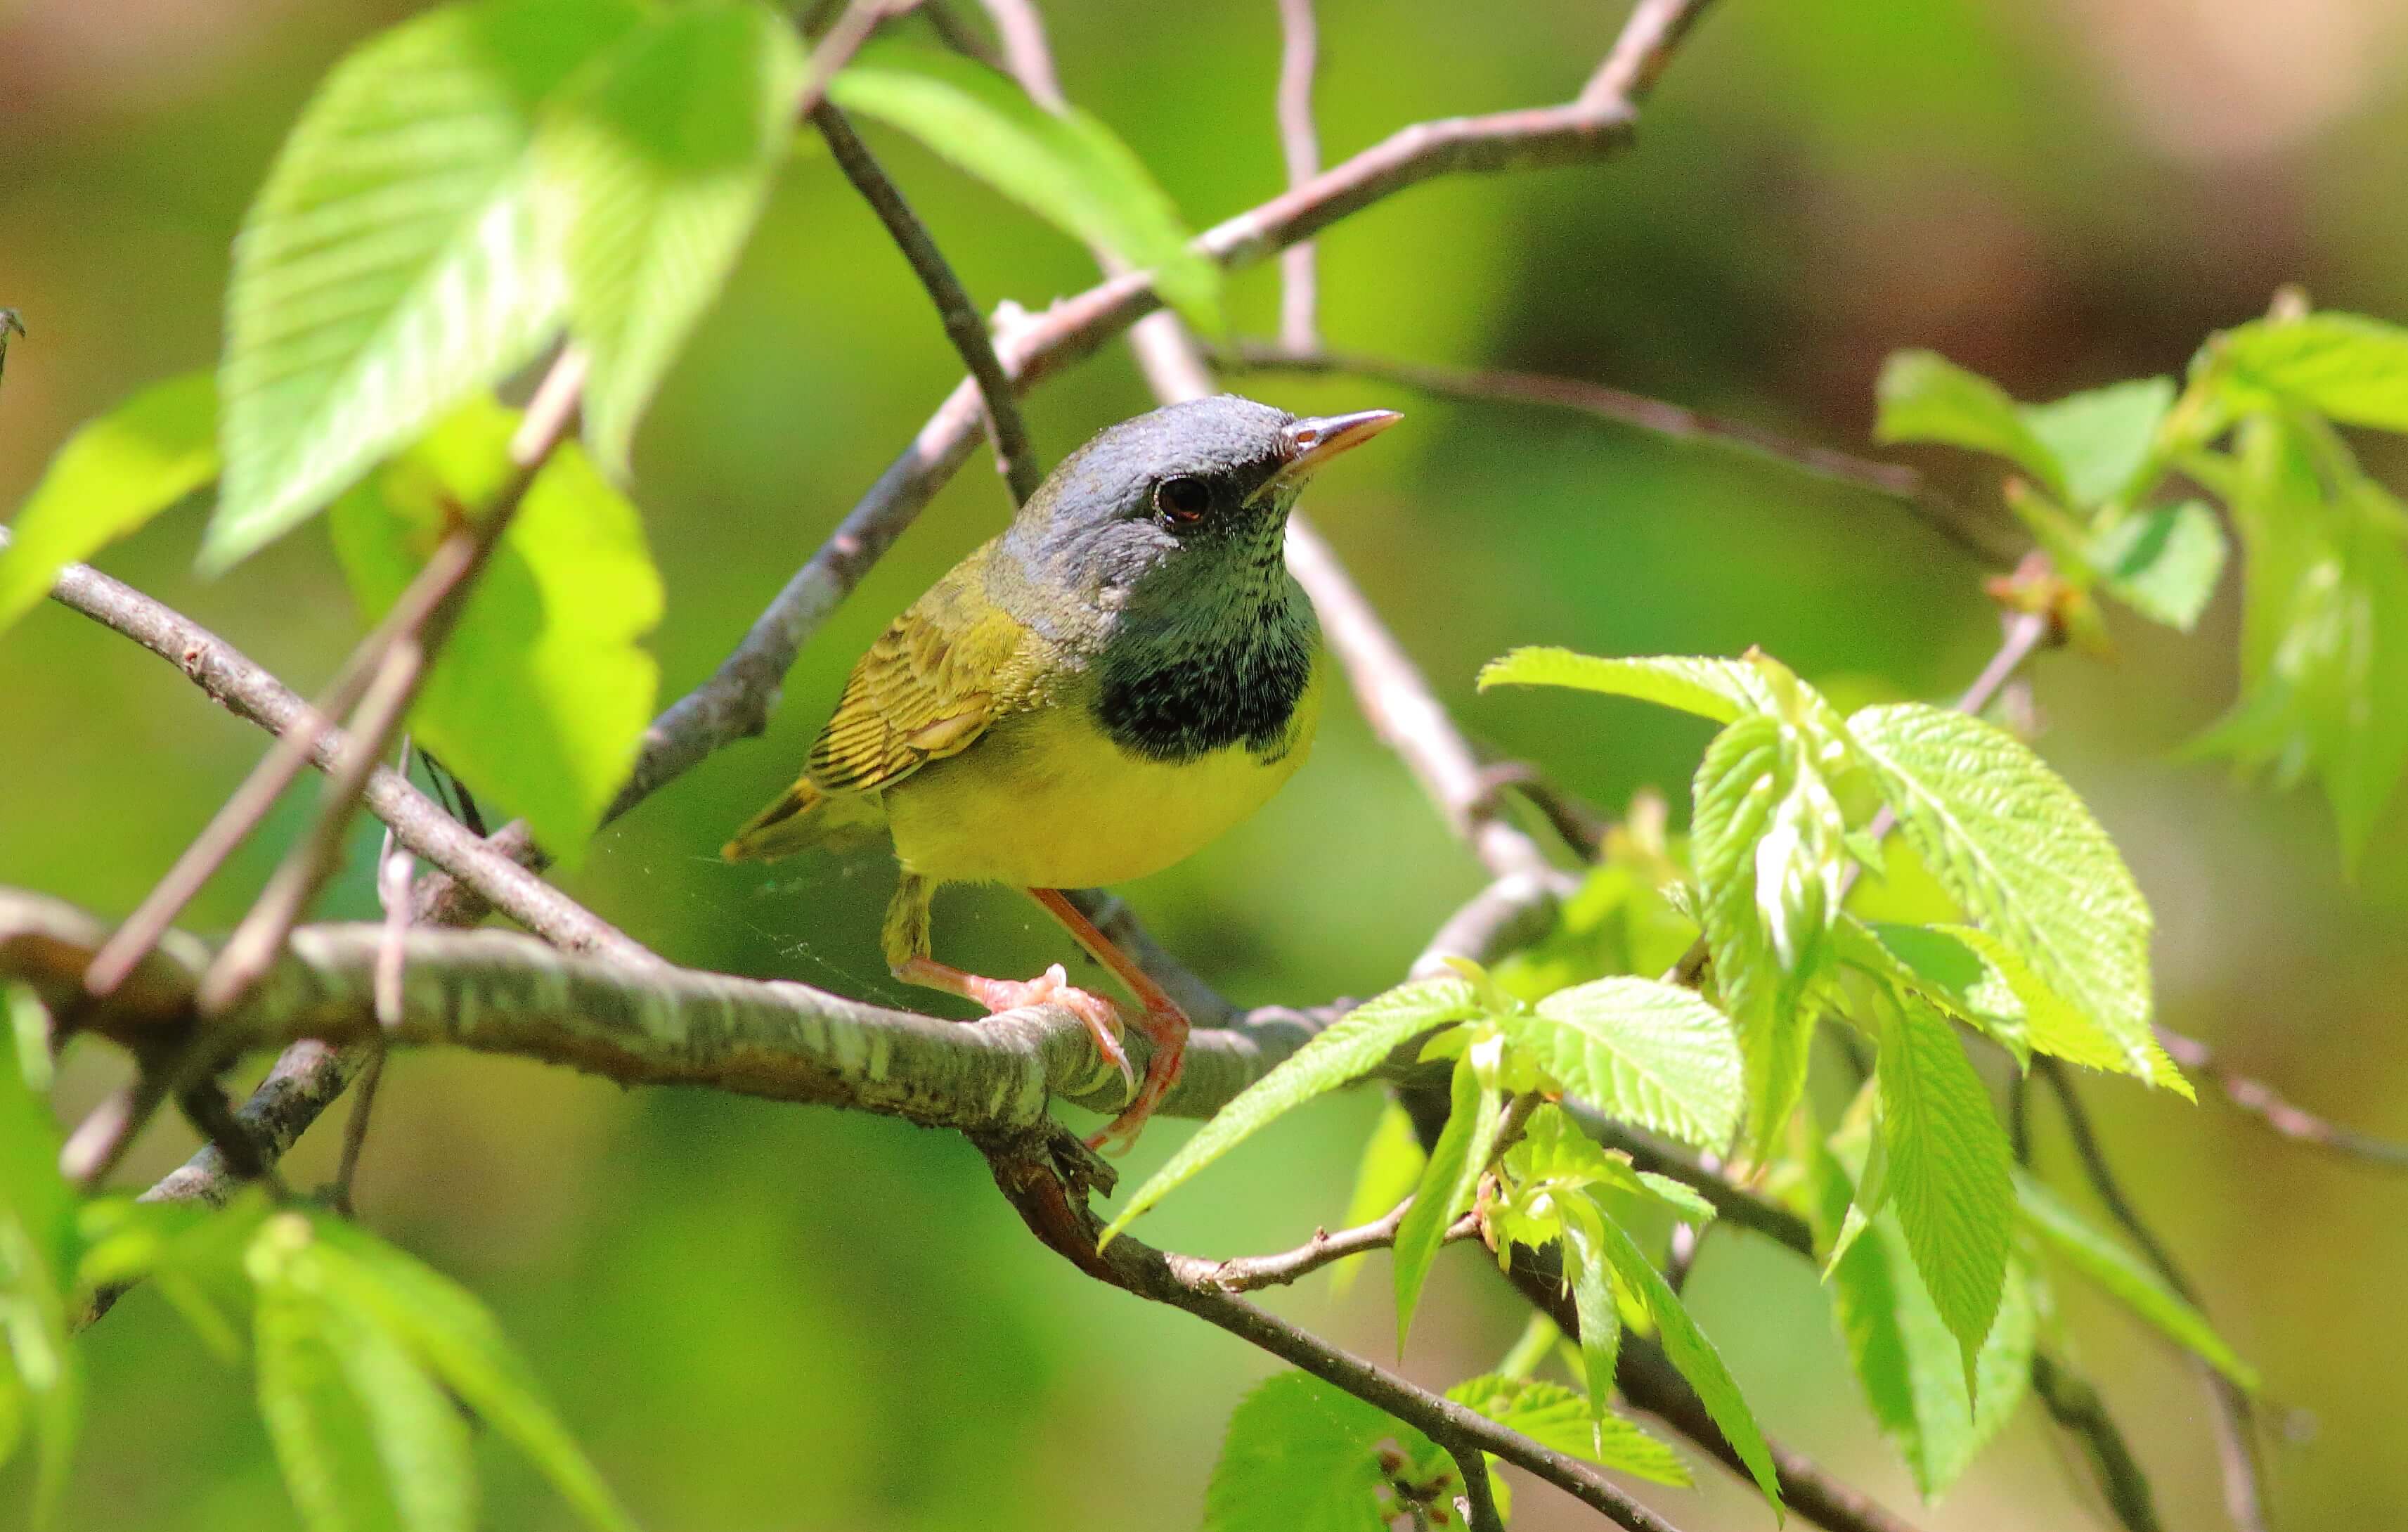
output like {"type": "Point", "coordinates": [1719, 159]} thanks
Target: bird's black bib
{"type": "Point", "coordinates": [1176, 706]}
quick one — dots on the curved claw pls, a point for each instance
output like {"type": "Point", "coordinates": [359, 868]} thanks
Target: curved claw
{"type": "Point", "coordinates": [1053, 988]}
{"type": "Point", "coordinates": [1166, 1029]}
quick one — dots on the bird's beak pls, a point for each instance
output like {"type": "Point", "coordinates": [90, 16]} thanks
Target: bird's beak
{"type": "Point", "coordinates": [1315, 440]}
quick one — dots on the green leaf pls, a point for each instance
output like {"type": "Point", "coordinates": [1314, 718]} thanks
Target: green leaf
{"type": "Point", "coordinates": [1641, 1051]}
{"type": "Point", "coordinates": [365, 1437]}
{"type": "Point", "coordinates": [1950, 1171]}
{"type": "Point", "coordinates": [1588, 1269]}
{"type": "Point", "coordinates": [115, 473]}
{"type": "Point", "coordinates": [1341, 1054]}
{"type": "Point", "coordinates": [2164, 563]}
{"type": "Point", "coordinates": [1391, 1167]}
{"type": "Point", "coordinates": [1908, 1362]}
{"type": "Point", "coordinates": [2104, 438]}
{"type": "Point", "coordinates": [1068, 169]}
{"type": "Point", "coordinates": [541, 696]}
{"type": "Point", "coordinates": [2012, 844]}
{"type": "Point", "coordinates": [654, 166]}
{"type": "Point", "coordinates": [40, 1373]}
{"type": "Point", "coordinates": [2345, 366]}
{"type": "Point", "coordinates": [1456, 1162]}
{"type": "Point", "coordinates": [455, 1336]}
{"type": "Point", "coordinates": [1695, 1356]}
{"type": "Point", "coordinates": [1769, 843]}
{"type": "Point", "coordinates": [1303, 1456]}
{"type": "Point", "coordinates": [1925, 397]}
{"type": "Point", "coordinates": [1553, 1416]}
{"type": "Point", "coordinates": [1720, 689]}
{"type": "Point", "coordinates": [2129, 1279]}
{"type": "Point", "coordinates": [395, 264]}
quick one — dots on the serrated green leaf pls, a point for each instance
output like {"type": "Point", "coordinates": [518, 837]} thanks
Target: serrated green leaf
{"type": "Point", "coordinates": [40, 1373]}
{"type": "Point", "coordinates": [1067, 168]}
{"type": "Point", "coordinates": [1588, 1269]}
{"type": "Point", "coordinates": [2012, 844]}
{"type": "Point", "coordinates": [1343, 1053]}
{"type": "Point", "coordinates": [654, 165]}
{"type": "Point", "coordinates": [2345, 366]}
{"type": "Point", "coordinates": [1391, 1167]}
{"type": "Point", "coordinates": [1950, 1169]}
{"type": "Point", "coordinates": [395, 265]}
{"type": "Point", "coordinates": [1554, 1416]}
{"type": "Point", "coordinates": [2164, 563]}
{"type": "Point", "coordinates": [1720, 689]}
{"type": "Point", "coordinates": [1694, 1355]}
{"type": "Point", "coordinates": [2103, 439]}
{"type": "Point", "coordinates": [114, 475]}
{"type": "Point", "coordinates": [1908, 1363]}
{"type": "Point", "coordinates": [1553, 1155]}
{"type": "Point", "coordinates": [1923, 397]}
{"type": "Point", "coordinates": [1456, 1162]}
{"type": "Point", "coordinates": [1303, 1456]}
{"type": "Point", "coordinates": [540, 697]}
{"type": "Point", "coordinates": [1643, 1052]}
{"type": "Point", "coordinates": [2127, 1279]}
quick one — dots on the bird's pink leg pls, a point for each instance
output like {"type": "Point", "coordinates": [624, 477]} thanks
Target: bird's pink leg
{"type": "Point", "coordinates": [1163, 1022]}
{"type": "Point", "coordinates": [1051, 988]}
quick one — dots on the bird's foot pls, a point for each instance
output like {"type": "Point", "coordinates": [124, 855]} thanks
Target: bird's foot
{"type": "Point", "coordinates": [1053, 988]}
{"type": "Point", "coordinates": [1165, 1027]}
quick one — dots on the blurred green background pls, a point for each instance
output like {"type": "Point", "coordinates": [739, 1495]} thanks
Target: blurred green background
{"type": "Point", "coordinates": [764, 1318]}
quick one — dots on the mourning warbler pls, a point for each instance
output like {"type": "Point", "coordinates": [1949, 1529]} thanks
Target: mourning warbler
{"type": "Point", "coordinates": [1122, 674]}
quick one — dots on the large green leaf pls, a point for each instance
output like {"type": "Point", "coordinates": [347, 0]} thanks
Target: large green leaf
{"type": "Point", "coordinates": [1925, 397]}
{"type": "Point", "coordinates": [1456, 1162]}
{"type": "Point", "coordinates": [2129, 1279]}
{"type": "Point", "coordinates": [394, 263]}
{"type": "Point", "coordinates": [1910, 1364]}
{"type": "Point", "coordinates": [2012, 844]}
{"type": "Point", "coordinates": [1343, 1053]}
{"type": "Point", "coordinates": [115, 473]}
{"type": "Point", "coordinates": [1720, 689]}
{"type": "Point", "coordinates": [40, 1374]}
{"type": "Point", "coordinates": [2345, 366]}
{"type": "Point", "coordinates": [541, 697]}
{"type": "Point", "coordinates": [1645, 1052]}
{"type": "Point", "coordinates": [654, 166]}
{"type": "Point", "coordinates": [2163, 563]}
{"type": "Point", "coordinates": [1067, 168]}
{"type": "Point", "coordinates": [1303, 1456]}
{"type": "Point", "coordinates": [1554, 1416]}
{"type": "Point", "coordinates": [1949, 1170]}
{"type": "Point", "coordinates": [1589, 1272]}
{"type": "Point", "coordinates": [2102, 439]}
{"type": "Point", "coordinates": [1695, 1356]}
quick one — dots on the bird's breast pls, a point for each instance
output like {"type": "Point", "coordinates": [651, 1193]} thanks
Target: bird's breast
{"type": "Point", "coordinates": [1185, 695]}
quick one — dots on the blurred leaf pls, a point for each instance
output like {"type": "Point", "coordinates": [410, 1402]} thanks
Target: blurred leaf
{"type": "Point", "coordinates": [2013, 846]}
{"type": "Point", "coordinates": [115, 473]}
{"type": "Point", "coordinates": [653, 166]}
{"type": "Point", "coordinates": [1390, 1169]}
{"type": "Point", "coordinates": [1908, 1362]}
{"type": "Point", "coordinates": [2345, 366]}
{"type": "Point", "coordinates": [1456, 1162]}
{"type": "Point", "coordinates": [1303, 1456]}
{"type": "Point", "coordinates": [365, 1438]}
{"type": "Point", "coordinates": [1720, 689]}
{"type": "Point", "coordinates": [393, 265]}
{"type": "Point", "coordinates": [1068, 169]}
{"type": "Point", "coordinates": [1923, 397]}
{"type": "Point", "coordinates": [1554, 1416]}
{"type": "Point", "coordinates": [2127, 1278]}
{"type": "Point", "coordinates": [1338, 1055]}
{"type": "Point", "coordinates": [1950, 1170]}
{"type": "Point", "coordinates": [2103, 439]}
{"type": "Point", "coordinates": [40, 1374]}
{"type": "Point", "coordinates": [1641, 1051]}
{"type": "Point", "coordinates": [1695, 1356]}
{"type": "Point", "coordinates": [454, 1336]}
{"type": "Point", "coordinates": [2164, 563]}
{"type": "Point", "coordinates": [541, 697]}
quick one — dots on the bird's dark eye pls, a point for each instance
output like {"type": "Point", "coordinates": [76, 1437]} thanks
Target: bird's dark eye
{"type": "Point", "coordinates": [1182, 501]}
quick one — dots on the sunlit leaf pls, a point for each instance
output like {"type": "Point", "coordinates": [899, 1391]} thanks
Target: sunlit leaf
{"type": "Point", "coordinates": [2345, 366]}
{"type": "Point", "coordinates": [1641, 1051]}
{"type": "Point", "coordinates": [1457, 1161]}
{"type": "Point", "coordinates": [2164, 563]}
{"type": "Point", "coordinates": [1590, 1270]}
{"type": "Point", "coordinates": [1553, 1416]}
{"type": "Point", "coordinates": [1927, 398]}
{"type": "Point", "coordinates": [114, 475]}
{"type": "Point", "coordinates": [1720, 689]}
{"type": "Point", "coordinates": [2103, 438]}
{"type": "Point", "coordinates": [1304, 1456]}
{"type": "Point", "coordinates": [2127, 1278]}
{"type": "Point", "coordinates": [40, 1374]}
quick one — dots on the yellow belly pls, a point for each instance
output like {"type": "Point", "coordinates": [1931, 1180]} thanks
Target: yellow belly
{"type": "Point", "coordinates": [1046, 800]}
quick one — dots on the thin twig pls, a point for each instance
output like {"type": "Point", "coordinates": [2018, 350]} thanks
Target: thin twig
{"type": "Point", "coordinates": [1894, 482]}
{"type": "Point", "coordinates": [836, 47]}
{"type": "Point", "coordinates": [1248, 1273]}
{"type": "Point", "coordinates": [355, 1128]}
{"type": "Point", "coordinates": [1645, 45]}
{"type": "Point", "coordinates": [1479, 1496]}
{"type": "Point", "coordinates": [2277, 1115]}
{"type": "Point", "coordinates": [1299, 57]}
{"type": "Point", "coordinates": [1025, 53]}
{"type": "Point", "coordinates": [963, 325]}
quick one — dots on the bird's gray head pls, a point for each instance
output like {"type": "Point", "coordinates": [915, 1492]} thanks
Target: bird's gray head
{"type": "Point", "coordinates": [1187, 501]}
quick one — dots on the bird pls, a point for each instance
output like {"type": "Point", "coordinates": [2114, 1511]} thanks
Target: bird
{"type": "Point", "coordinates": [1122, 674]}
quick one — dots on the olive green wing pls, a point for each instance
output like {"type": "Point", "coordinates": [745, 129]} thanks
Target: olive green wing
{"type": "Point", "coordinates": [933, 681]}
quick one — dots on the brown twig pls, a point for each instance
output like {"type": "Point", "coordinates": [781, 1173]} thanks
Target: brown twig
{"type": "Point", "coordinates": [1648, 38]}
{"type": "Point", "coordinates": [1248, 1273]}
{"type": "Point", "coordinates": [1895, 481]}
{"type": "Point", "coordinates": [2278, 1116]}
{"type": "Point", "coordinates": [1480, 1510]}
{"type": "Point", "coordinates": [1300, 145]}
{"type": "Point", "coordinates": [1025, 53]}
{"type": "Point", "coordinates": [836, 47]}
{"type": "Point", "coordinates": [960, 316]}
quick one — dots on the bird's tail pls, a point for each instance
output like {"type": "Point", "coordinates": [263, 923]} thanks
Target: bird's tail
{"type": "Point", "coordinates": [804, 818]}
